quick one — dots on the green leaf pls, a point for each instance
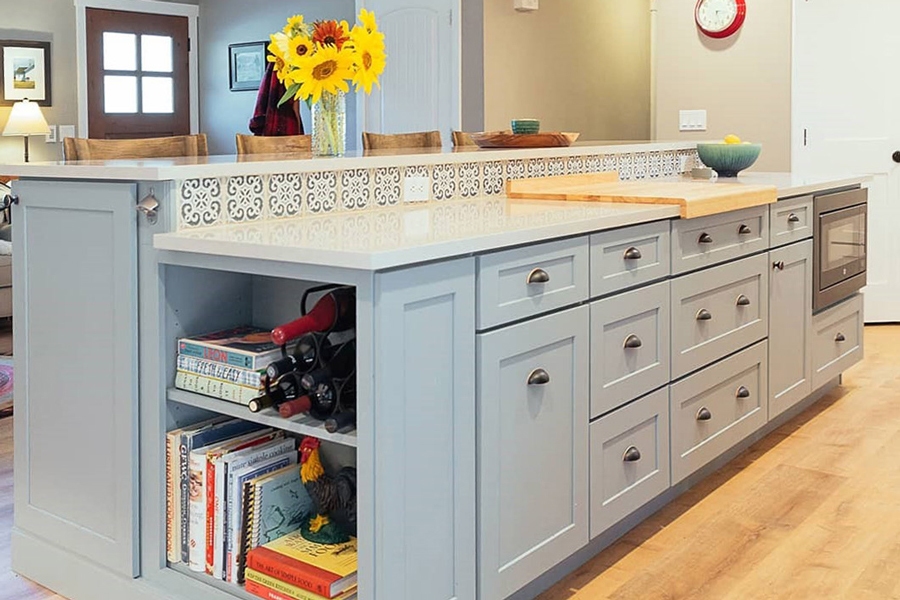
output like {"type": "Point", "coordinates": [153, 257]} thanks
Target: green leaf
{"type": "Point", "coordinates": [289, 94]}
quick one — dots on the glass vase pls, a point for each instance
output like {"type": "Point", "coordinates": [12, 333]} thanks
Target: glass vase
{"type": "Point", "coordinates": [329, 125]}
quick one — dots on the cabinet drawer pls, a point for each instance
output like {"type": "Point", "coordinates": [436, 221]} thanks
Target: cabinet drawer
{"type": "Point", "coordinates": [523, 282]}
{"type": "Point", "coordinates": [628, 257]}
{"type": "Point", "coordinates": [718, 311]}
{"type": "Point", "coordinates": [710, 240]}
{"type": "Point", "coordinates": [790, 220]}
{"type": "Point", "coordinates": [716, 408]}
{"type": "Point", "coordinates": [837, 340]}
{"type": "Point", "coordinates": [533, 448]}
{"type": "Point", "coordinates": [629, 459]}
{"type": "Point", "coordinates": [629, 346]}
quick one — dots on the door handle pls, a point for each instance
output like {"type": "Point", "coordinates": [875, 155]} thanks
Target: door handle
{"type": "Point", "coordinates": [633, 341]}
{"type": "Point", "coordinates": [538, 276]}
{"type": "Point", "coordinates": [778, 265]}
{"type": "Point", "coordinates": [743, 300]}
{"type": "Point", "coordinates": [704, 315]}
{"type": "Point", "coordinates": [744, 230]}
{"type": "Point", "coordinates": [792, 218]}
{"type": "Point", "coordinates": [896, 156]}
{"type": "Point", "coordinates": [840, 338]}
{"type": "Point", "coordinates": [742, 392]}
{"type": "Point", "coordinates": [703, 414]}
{"type": "Point", "coordinates": [705, 238]}
{"type": "Point", "coordinates": [632, 454]}
{"type": "Point", "coordinates": [539, 377]}
{"type": "Point", "coordinates": [632, 254]}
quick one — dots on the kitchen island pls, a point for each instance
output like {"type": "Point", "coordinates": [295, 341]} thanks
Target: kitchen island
{"type": "Point", "coordinates": [534, 377]}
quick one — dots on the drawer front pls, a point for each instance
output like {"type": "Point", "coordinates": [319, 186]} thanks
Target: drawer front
{"type": "Point", "coordinates": [628, 257]}
{"type": "Point", "coordinates": [790, 220]}
{"type": "Point", "coordinates": [706, 241]}
{"type": "Point", "coordinates": [837, 340]}
{"type": "Point", "coordinates": [718, 311]}
{"type": "Point", "coordinates": [629, 459]}
{"type": "Point", "coordinates": [533, 448]}
{"type": "Point", "coordinates": [716, 408]}
{"type": "Point", "coordinates": [629, 346]}
{"type": "Point", "coordinates": [523, 282]}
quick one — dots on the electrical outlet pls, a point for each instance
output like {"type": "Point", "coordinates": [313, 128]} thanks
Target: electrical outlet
{"type": "Point", "coordinates": [692, 120]}
{"type": "Point", "coordinates": [66, 131]}
{"type": "Point", "coordinates": [51, 138]}
{"type": "Point", "coordinates": [416, 189]}
{"type": "Point", "coordinates": [526, 5]}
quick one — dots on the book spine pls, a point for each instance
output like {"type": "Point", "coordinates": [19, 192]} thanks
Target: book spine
{"type": "Point", "coordinates": [197, 512]}
{"type": "Point", "coordinates": [210, 510]}
{"type": "Point", "coordinates": [249, 497]}
{"type": "Point", "coordinates": [208, 368]}
{"type": "Point", "coordinates": [290, 591]}
{"type": "Point", "coordinates": [219, 521]}
{"type": "Point", "coordinates": [184, 504]}
{"type": "Point", "coordinates": [215, 388]}
{"type": "Point", "coordinates": [235, 358]}
{"type": "Point", "coordinates": [290, 572]}
{"type": "Point", "coordinates": [261, 591]}
{"type": "Point", "coordinates": [170, 501]}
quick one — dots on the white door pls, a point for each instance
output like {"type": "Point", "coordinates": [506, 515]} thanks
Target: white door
{"type": "Point", "coordinates": [420, 85]}
{"type": "Point", "coordinates": [846, 94]}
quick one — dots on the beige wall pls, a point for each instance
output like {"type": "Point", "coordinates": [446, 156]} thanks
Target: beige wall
{"type": "Point", "coordinates": [577, 65]}
{"type": "Point", "coordinates": [744, 83]}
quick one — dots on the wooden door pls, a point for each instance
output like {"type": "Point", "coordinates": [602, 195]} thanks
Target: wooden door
{"type": "Point", "coordinates": [845, 99]}
{"type": "Point", "coordinates": [533, 448]}
{"type": "Point", "coordinates": [790, 326]}
{"type": "Point", "coordinates": [137, 75]}
{"type": "Point", "coordinates": [75, 301]}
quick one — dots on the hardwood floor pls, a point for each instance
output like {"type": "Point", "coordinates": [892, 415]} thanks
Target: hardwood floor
{"type": "Point", "coordinates": [810, 512]}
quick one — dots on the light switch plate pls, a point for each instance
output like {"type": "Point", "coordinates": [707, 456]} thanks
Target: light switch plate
{"type": "Point", "coordinates": [692, 120]}
{"type": "Point", "coordinates": [526, 5]}
{"type": "Point", "coordinates": [66, 131]}
{"type": "Point", "coordinates": [51, 138]}
{"type": "Point", "coordinates": [416, 189]}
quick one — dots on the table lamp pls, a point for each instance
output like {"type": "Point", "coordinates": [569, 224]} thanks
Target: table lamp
{"type": "Point", "coordinates": [26, 119]}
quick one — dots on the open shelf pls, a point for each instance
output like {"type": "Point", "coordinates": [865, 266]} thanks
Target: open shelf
{"type": "Point", "coordinates": [232, 588]}
{"type": "Point", "coordinates": [302, 424]}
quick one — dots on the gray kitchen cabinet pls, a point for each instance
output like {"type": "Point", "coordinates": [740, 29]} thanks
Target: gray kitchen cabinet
{"type": "Point", "coordinates": [837, 339]}
{"type": "Point", "coordinates": [706, 241]}
{"type": "Point", "coordinates": [790, 326]}
{"type": "Point", "coordinates": [76, 348]}
{"type": "Point", "coordinates": [791, 221]}
{"type": "Point", "coordinates": [425, 499]}
{"type": "Point", "coordinates": [628, 257]}
{"type": "Point", "coordinates": [533, 441]}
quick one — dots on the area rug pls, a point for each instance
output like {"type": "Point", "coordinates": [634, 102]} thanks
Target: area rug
{"type": "Point", "coordinates": [6, 386]}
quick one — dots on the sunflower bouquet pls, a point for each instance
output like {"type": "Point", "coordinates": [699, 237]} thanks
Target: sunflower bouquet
{"type": "Point", "coordinates": [318, 61]}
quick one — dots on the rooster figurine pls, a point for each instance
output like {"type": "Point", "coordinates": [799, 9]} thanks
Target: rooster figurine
{"type": "Point", "coordinates": [333, 518]}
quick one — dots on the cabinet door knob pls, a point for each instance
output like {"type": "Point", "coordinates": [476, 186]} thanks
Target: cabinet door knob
{"type": "Point", "coordinates": [742, 392]}
{"type": "Point", "coordinates": [8, 201]}
{"type": "Point", "coordinates": [792, 218]}
{"type": "Point", "coordinates": [632, 254]}
{"type": "Point", "coordinates": [744, 230]}
{"type": "Point", "coordinates": [538, 377]}
{"type": "Point", "coordinates": [149, 207]}
{"type": "Point", "coordinates": [840, 338]}
{"type": "Point", "coordinates": [778, 265]}
{"type": "Point", "coordinates": [632, 454]}
{"type": "Point", "coordinates": [703, 414]}
{"type": "Point", "coordinates": [633, 341]}
{"type": "Point", "coordinates": [538, 276]}
{"type": "Point", "coordinates": [743, 300]}
{"type": "Point", "coordinates": [704, 315]}
{"type": "Point", "coordinates": [705, 238]}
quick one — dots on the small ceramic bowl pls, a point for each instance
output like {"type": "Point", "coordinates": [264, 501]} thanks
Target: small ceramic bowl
{"type": "Point", "coordinates": [728, 159]}
{"type": "Point", "coordinates": [525, 125]}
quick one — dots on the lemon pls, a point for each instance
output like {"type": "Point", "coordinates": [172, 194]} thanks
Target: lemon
{"type": "Point", "coordinates": [732, 139]}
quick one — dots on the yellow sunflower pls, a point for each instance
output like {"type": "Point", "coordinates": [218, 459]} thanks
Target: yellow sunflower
{"type": "Point", "coordinates": [278, 53]}
{"type": "Point", "coordinates": [299, 48]}
{"type": "Point", "coordinates": [326, 70]}
{"type": "Point", "coordinates": [295, 25]}
{"type": "Point", "coordinates": [370, 58]}
{"type": "Point", "coordinates": [367, 19]}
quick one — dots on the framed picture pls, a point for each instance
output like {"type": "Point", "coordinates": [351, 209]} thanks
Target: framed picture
{"type": "Point", "coordinates": [25, 72]}
{"type": "Point", "coordinates": [247, 65]}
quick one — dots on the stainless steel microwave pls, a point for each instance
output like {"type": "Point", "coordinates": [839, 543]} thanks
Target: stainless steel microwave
{"type": "Point", "coordinates": [840, 243]}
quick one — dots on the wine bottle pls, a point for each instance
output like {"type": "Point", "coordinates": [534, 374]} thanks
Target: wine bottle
{"type": "Point", "coordinates": [335, 311]}
{"type": "Point", "coordinates": [340, 420]}
{"type": "Point", "coordinates": [340, 366]}
{"type": "Point", "coordinates": [285, 389]}
{"type": "Point", "coordinates": [311, 350]}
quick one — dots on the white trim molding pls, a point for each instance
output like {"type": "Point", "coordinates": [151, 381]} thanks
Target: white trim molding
{"type": "Point", "coordinates": [191, 11]}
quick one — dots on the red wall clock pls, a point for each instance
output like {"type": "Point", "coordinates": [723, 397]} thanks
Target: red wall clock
{"type": "Point", "coordinates": [720, 18]}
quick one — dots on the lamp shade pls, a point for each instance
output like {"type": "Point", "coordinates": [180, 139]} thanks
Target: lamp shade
{"type": "Point", "coordinates": [26, 118]}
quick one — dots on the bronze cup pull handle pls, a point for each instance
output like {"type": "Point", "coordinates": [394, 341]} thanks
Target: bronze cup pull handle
{"type": "Point", "coordinates": [742, 392]}
{"type": "Point", "coordinates": [705, 238]}
{"type": "Point", "coordinates": [633, 341]}
{"type": "Point", "coordinates": [633, 254]}
{"type": "Point", "coordinates": [632, 454]}
{"type": "Point", "coordinates": [704, 315]}
{"type": "Point", "coordinates": [538, 276]}
{"type": "Point", "coordinates": [703, 414]}
{"type": "Point", "coordinates": [744, 230]}
{"type": "Point", "coordinates": [538, 377]}
{"type": "Point", "coordinates": [840, 338]}
{"type": "Point", "coordinates": [792, 218]}
{"type": "Point", "coordinates": [743, 300]}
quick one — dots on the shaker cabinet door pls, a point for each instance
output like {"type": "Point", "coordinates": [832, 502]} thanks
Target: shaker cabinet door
{"type": "Point", "coordinates": [75, 326]}
{"type": "Point", "coordinates": [533, 441]}
{"type": "Point", "coordinates": [790, 328]}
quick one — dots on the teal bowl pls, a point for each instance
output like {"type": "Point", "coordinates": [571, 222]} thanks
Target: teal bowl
{"type": "Point", "coordinates": [525, 126]}
{"type": "Point", "coordinates": [728, 159]}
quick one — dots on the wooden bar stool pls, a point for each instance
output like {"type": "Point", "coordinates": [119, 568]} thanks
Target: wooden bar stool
{"type": "Point", "coordinates": [167, 147]}
{"type": "Point", "coordinates": [383, 141]}
{"type": "Point", "coordinates": [272, 144]}
{"type": "Point", "coordinates": [461, 138]}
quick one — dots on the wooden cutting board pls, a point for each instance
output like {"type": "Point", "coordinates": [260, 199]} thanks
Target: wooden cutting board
{"type": "Point", "coordinates": [696, 198]}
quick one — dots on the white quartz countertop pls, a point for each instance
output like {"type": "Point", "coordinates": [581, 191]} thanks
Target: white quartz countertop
{"type": "Point", "coordinates": [165, 169]}
{"type": "Point", "coordinates": [788, 184]}
{"type": "Point", "coordinates": [393, 237]}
